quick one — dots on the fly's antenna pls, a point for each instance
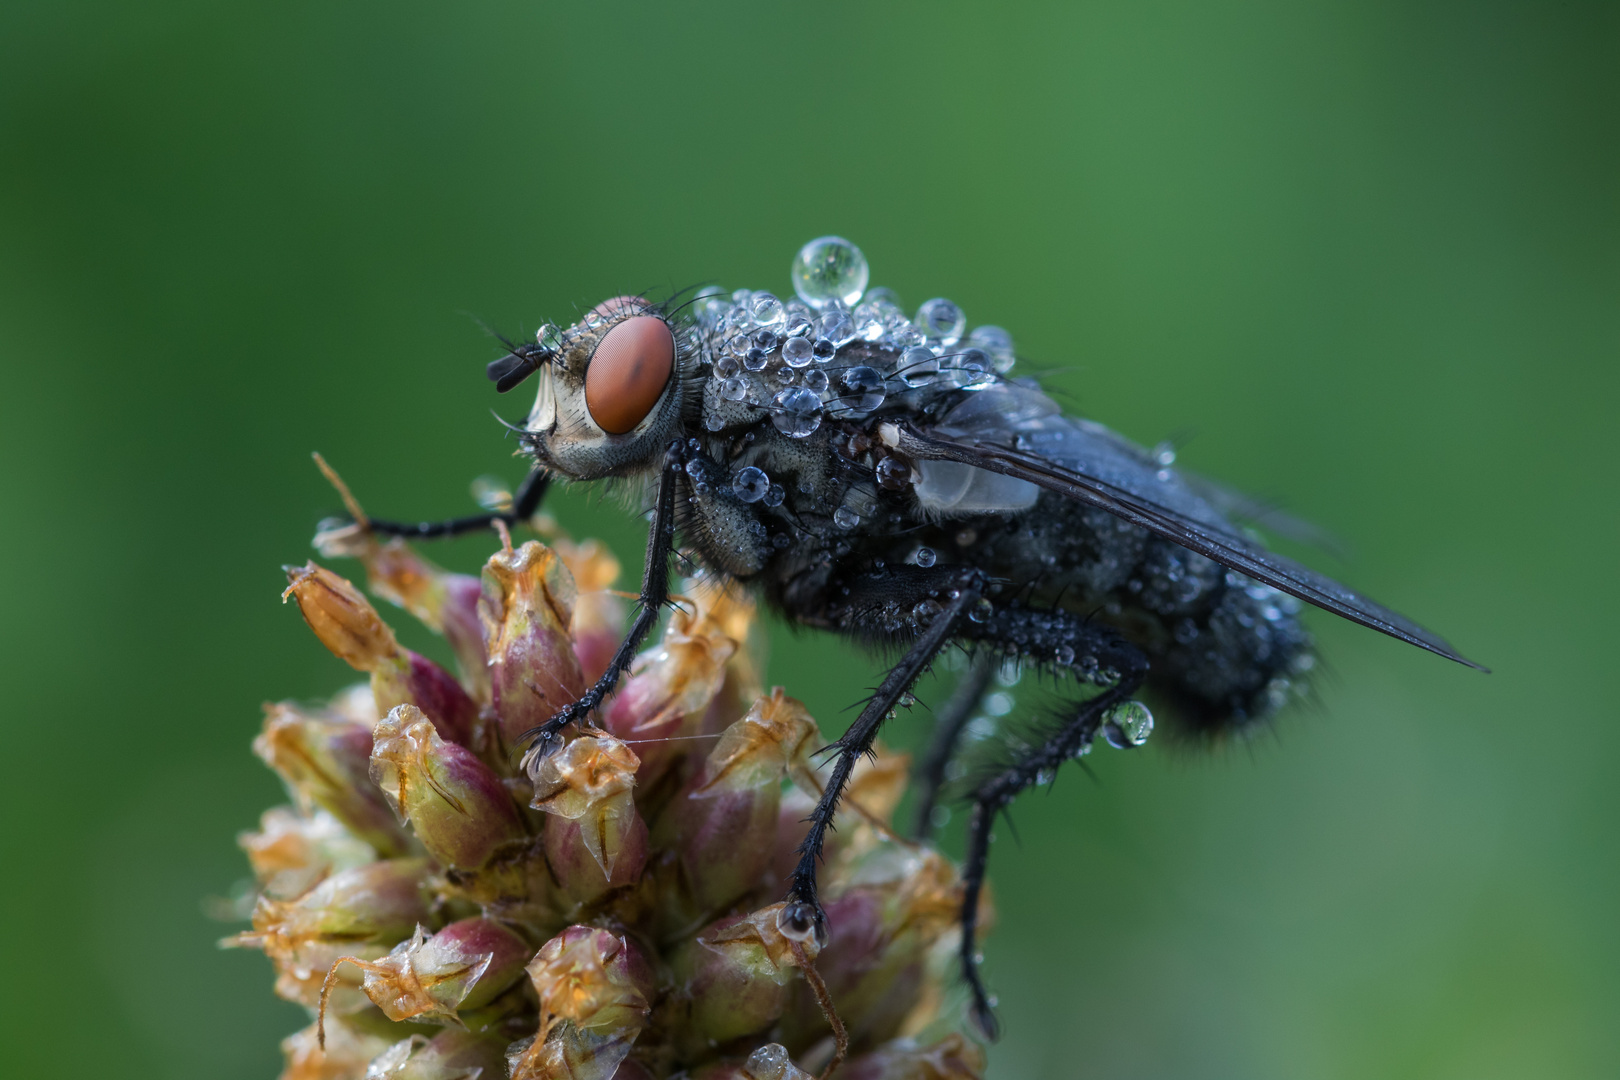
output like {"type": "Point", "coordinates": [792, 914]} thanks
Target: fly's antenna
{"type": "Point", "coordinates": [511, 369]}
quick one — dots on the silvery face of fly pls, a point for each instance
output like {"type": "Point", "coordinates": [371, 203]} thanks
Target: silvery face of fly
{"type": "Point", "coordinates": [896, 480]}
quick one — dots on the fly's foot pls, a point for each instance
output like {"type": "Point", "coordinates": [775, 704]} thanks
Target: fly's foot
{"type": "Point", "coordinates": [984, 1014]}
{"type": "Point", "coordinates": [546, 738]}
{"type": "Point", "coordinates": [800, 920]}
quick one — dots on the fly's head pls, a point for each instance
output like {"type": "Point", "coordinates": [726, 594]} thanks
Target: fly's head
{"type": "Point", "coordinates": [611, 390]}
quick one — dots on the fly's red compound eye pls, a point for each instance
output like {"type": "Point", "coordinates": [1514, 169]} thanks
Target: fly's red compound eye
{"type": "Point", "coordinates": [628, 372]}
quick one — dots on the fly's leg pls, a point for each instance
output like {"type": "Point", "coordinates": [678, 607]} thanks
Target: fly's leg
{"type": "Point", "coordinates": [949, 722]}
{"type": "Point", "coordinates": [996, 792]}
{"type": "Point", "coordinates": [525, 502]}
{"type": "Point", "coordinates": [874, 604]}
{"type": "Point", "coordinates": [654, 595]}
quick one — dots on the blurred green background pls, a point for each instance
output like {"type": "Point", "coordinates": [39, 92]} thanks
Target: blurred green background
{"type": "Point", "coordinates": [1367, 253]}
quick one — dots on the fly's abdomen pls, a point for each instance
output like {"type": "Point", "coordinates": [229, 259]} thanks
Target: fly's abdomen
{"type": "Point", "coordinates": [1237, 658]}
{"type": "Point", "coordinates": [1225, 650]}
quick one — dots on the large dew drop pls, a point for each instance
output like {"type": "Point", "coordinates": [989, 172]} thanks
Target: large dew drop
{"type": "Point", "coordinates": [796, 412]}
{"type": "Point", "coordinates": [828, 269]}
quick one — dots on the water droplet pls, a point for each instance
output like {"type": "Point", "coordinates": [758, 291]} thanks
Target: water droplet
{"type": "Point", "coordinates": [941, 321]}
{"type": "Point", "coordinates": [750, 484]}
{"type": "Point", "coordinates": [1065, 655]}
{"type": "Point", "coordinates": [925, 557]}
{"type": "Point", "coordinates": [774, 495]}
{"type": "Point", "coordinates": [877, 314]}
{"type": "Point", "coordinates": [796, 412]}
{"type": "Point", "coordinates": [908, 699]}
{"type": "Point", "coordinates": [814, 379]}
{"type": "Point", "coordinates": [765, 338]}
{"type": "Point", "coordinates": [1163, 454]}
{"type": "Point", "coordinates": [926, 610]}
{"type": "Point", "coordinates": [727, 366]}
{"type": "Point", "coordinates": [769, 1062]}
{"type": "Point", "coordinates": [940, 816]}
{"type": "Point", "coordinates": [999, 704]}
{"type": "Point", "coordinates": [837, 326]}
{"type": "Point", "coordinates": [766, 310]}
{"type": "Point", "coordinates": [1127, 724]}
{"type": "Point", "coordinates": [798, 351]}
{"type": "Point", "coordinates": [756, 359]}
{"type": "Point", "coordinates": [798, 325]}
{"type": "Point", "coordinates": [998, 343]}
{"type": "Point", "coordinates": [918, 366]}
{"type": "Point", "coordinates": [970, 369]}
{"type": "Point", "coordinates": [733, 389]}
{"type": "Point", "coordinates": [845, 518]}
{"type": "Point", "coordinates": [862, 388]}
{"type": "Point", "coordinates": [548, 337]}
{"type": "Point", "coordinates": [893, 474]}
{"type": "Point", "coordinates": [824, 350]}
{"type": "Point", "coordinates": [828, 269]}
{"type": "Point", "coordinates": [981, 610]}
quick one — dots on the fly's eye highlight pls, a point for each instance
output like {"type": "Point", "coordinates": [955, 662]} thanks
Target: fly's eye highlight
{"type": "Point", "coordinates": [628, 373]}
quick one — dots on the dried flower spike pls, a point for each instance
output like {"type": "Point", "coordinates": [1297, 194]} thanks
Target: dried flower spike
{"type": "Point", "coordinates": [632, 873]}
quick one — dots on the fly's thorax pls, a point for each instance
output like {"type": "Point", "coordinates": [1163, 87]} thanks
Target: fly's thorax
{"type": "Point", "coordinates": [613, 392]}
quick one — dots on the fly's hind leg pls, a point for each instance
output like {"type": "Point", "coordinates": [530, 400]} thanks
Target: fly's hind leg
{"type": "Point", "coordinates": [1047, 635]}
{"type": "Point", "coordinates": [525, 503]}
{"type": "Point", "coordinates": [949, 723]}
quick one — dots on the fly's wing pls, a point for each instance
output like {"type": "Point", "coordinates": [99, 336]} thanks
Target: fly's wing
{"type": "Point", "coordinates": [1017, 431]}
{"type": "Point", "coordinates": [1244, 508]}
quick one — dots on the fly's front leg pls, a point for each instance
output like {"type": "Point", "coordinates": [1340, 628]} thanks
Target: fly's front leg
{"type": "Point", "coordinates": [525, 503]}
{"type": "Point", "coordinates": [654, 594]}
{"type": "Point", "coordinates": [1071, 636]}
{"type": "Point", "coordinates": [873, 605]}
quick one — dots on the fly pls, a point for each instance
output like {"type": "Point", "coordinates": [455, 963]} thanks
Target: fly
{"type": "Point", "coordinates": [892, 480]}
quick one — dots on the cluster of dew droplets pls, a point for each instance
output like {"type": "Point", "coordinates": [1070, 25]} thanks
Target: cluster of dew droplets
{"type": "Point", "coordinates": [780, 355]}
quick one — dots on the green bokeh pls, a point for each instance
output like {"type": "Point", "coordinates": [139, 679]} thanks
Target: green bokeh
{"type": "Point", "coordinates": [1368, 253]}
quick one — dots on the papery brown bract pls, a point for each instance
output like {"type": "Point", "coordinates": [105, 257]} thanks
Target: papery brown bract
{"type": "Point", "coordinates": [465, 965]}
{"type": "Point", "coordinates": [450, 1055]}
{"type": "Point", "coordinates": [722, 824]}
{"type": "Point", "coordinates": [455, 803]}
{"type": "Point", "coordinates": [595, 989]}
{"type": "Point", "coordinates": [294, 851]}
{"type": "Point", "coordinates": [732, 980]}
{"type": "Point", "coordinates": [347, 1053]}
{"type": "Point", "coordinates": [663, 700]}
{"type": "Point", "coordinates": [350, 627]}
{"type": "Point", "coordinates": [325, 761]}
{"type": "Point", "coordinates": [595, 839]}
{"type": "Point", "coordinates": [360, 912]}
{"type": "Point", "coordinates": [526, 609]}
